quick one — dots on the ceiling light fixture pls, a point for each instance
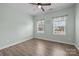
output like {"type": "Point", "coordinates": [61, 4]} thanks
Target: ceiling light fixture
{"type": "Point", "coordinates": [39, 6]}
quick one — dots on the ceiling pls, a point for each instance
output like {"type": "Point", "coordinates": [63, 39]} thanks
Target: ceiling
{"type": "Point", "coordinates": [33, 10]}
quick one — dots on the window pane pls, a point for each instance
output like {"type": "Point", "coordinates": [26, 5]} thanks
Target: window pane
{"type": "Point", "coordinates": [59, 25]}
{"type": "Point", "coordinates": [40, 26]}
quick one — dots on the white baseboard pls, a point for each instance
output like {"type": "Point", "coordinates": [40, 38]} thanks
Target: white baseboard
{"type": "Point", "coordinates": [6, 46]}
{"type": "Point", "coordinates": [77, 47]}
{"type": "Point", "coordinates": [54, 40]}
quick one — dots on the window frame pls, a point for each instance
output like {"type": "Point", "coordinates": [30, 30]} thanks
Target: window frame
{"type": "Point", "coordinates": [59, 33]}
{"type": "Point", "coordinates": [37, 25]}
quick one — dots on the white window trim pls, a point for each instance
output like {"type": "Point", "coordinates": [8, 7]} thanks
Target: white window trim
{"type": "Point", "coordinates": [37, 26]}
{"type": "Point", "coordinates": [64, 33]}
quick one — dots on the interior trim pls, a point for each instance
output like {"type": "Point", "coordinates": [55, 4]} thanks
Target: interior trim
{"type": "Point", "coordinates": [29, 38]}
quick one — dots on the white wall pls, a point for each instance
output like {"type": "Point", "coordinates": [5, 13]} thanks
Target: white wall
{"type": "Point", "coordinates": [14, 26]}
{"type": "Point", "coordinates": [70, 26]}
{"type": "Point", "coordinates": [77, 26]}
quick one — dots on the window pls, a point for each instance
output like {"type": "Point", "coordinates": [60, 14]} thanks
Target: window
{"type": "Point", "coordinates": [59, 24]}
{"type": "Point", "coordinates": [40, 26]}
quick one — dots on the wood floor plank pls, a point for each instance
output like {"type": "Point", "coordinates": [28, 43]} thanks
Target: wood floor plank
{"type": "Point", "coordinates": [38, 47]}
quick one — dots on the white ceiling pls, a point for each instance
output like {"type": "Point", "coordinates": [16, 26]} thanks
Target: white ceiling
{"type": "Point", "coordinates": [33, 10]}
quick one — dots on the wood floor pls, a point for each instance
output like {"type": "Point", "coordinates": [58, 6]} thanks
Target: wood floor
{"type": "Point", "coordinates": [38, 47]}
